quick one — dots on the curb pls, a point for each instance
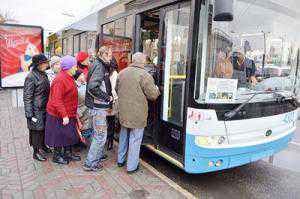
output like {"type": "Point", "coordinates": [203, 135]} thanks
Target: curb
{"type": "Point", "coordinates": [167, 180]}
{"type": "Point", "coordinates": [294, 145]}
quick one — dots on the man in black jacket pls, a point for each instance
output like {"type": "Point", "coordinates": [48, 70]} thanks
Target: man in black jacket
{"type": "Point", "coordinates": [99, 100]}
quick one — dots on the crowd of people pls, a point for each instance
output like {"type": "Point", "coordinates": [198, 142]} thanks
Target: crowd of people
{"type": "Point", "coordinates": [69, 100]}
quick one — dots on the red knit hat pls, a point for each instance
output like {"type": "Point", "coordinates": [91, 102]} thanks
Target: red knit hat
{"type": "Point", "coordinates": [81, 56]}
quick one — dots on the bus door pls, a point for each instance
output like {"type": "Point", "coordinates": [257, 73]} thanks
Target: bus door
{"type": "Point", "coordinates": [147, 37]}
{"type": "Point", "coordinates": [169, 46]}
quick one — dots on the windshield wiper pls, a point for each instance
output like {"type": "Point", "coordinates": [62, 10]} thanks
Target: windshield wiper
{"type": "Point", "coordinates": [278, 96]}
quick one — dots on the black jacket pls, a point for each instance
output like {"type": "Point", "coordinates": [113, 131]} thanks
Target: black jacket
{"type": "Point", "coordinates": [98, 90]}
{"type": "Point", "coordinates": [36, 93]}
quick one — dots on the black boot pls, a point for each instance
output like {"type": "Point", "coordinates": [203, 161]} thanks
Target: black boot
{"type": "Point", "coordinates": [46, 150]}
{"type": "Point", "coordinates": [58, 157]}
{"type": "Point", "coordinates": [38, 156]}
{"type": "Point", "coordinates": [70, 156]}
{"type": "Point", "coordinates": [110, 143]}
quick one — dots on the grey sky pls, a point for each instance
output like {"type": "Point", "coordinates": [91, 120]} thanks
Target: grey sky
{"type": "Point", "coordinates": [48, 13]}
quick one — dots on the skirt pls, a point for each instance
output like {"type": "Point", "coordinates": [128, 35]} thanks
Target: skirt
{"type": "Point", "coordinates": [37, 138]}
{"type": "Point", "coordinates": [58, 135]}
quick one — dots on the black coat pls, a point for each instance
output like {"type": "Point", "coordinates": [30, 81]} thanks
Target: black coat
{"type": "Point", "coordinates": [36, 94]}
{"type": "Point", "coordinates": [98, 91]}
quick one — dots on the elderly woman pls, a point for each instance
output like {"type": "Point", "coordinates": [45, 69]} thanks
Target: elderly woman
{"type": "Point", "coordinates": [36, 93]}
{"type": "Point", "coordinates": [61, 123]}
{"type": "Point", "coordinates": [54, 68]}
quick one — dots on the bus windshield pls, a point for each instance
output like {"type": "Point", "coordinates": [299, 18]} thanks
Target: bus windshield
{"type": "Point", "coordinates": [255, 52]}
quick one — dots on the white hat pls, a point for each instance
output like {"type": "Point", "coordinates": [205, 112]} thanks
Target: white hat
{"type": "Point", "coordinates": [54, 60]}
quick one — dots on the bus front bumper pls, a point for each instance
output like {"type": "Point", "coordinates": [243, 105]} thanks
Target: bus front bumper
{"type": "Point", "coordinates": [203, 160]}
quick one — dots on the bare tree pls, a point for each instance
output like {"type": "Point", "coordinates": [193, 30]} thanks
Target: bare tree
{"type": "Point", "coordinates": [7, 17]}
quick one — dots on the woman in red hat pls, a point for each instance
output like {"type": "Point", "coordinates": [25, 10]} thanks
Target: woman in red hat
{"type": "Point", "coordinates": [83, 63]}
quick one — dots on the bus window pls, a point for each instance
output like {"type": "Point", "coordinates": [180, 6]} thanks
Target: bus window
{"type": "Point", "coordinates": [83, 41]}
{"type": "Point", "coordinates": [149, 34]}
{"type": "Point", "coordinates": [175, 40]}
{"type": "Point", "coordinates": [245, 56]}
{"type": "Point", "coordinates": [64, 44]}
{"type": "Point", "coordinates": [117, 35]}
{"type": "Point", "coordinates": [76, 44]}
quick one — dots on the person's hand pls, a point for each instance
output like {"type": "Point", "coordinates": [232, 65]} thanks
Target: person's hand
{"type": "Point", "coordinates": [65, 121]}
{"type": "Point", "coordinates": [253, 80]}
{"type": "Point", "coordinates": [111, 99]}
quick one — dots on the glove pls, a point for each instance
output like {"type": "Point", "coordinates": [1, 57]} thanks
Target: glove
{"type": "Point", "coordinates": [65, 121]}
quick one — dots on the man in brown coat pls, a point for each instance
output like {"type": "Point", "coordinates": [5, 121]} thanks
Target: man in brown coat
{"type": "Point", "coordinates": [134, 87]}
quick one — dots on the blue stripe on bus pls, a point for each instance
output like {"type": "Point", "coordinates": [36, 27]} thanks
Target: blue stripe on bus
{"type": "Point", "coordinates": [197, 158]}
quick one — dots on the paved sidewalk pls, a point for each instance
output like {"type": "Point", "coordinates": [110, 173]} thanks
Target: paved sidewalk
{"type": "Point", "coordinates": [22, 177]}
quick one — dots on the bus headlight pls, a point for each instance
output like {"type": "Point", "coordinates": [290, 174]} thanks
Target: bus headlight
{"type": "Point", "coordinates": [209, 140]}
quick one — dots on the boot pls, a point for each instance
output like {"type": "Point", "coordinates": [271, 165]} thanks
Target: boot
{"type": "Point", "coordinates": [59, 158]}
{"type": "Point", "coordinates": [70, 156]}
{"type": "Point", "coordinates": [110, 144]}
{"type": "Point", "coordinates": [38, 156]}
{"type": "Point", "coordinates": [46, 150]}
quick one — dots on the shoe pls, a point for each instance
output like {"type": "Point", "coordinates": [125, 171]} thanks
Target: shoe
{"type": "Point", "coordinates": [39, 157]}
{"type": "Point", "coordinates": [104, 157]}
{"type": "Point", "coordinates": [94, 169]}
{"type": "Point", "coordinates": [133, 171]}
{"type": "Point", "coordinates": [59, 159]}
{"type": "Point", "coordinates": [121, 164]}
{"type": "Point", "coordinates": [46, 150]}
{"type": "Point", "coordinates": [72, 157]}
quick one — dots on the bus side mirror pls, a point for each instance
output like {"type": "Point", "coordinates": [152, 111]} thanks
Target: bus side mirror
{"type": "Point", "coordinates": [223, 10]}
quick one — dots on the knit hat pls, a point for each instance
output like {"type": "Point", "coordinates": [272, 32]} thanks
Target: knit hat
{"type": "Point", "coordinates": [81, 56]}
{"type": "Point", "coordinates": [67, 62]}
{"type": "Point", "coordinates": [54, 60]}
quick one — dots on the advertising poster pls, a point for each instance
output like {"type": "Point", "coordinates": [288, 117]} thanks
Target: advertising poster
{"type": "Point", "coordinates": [221, 90]}
{"type": "Point", "coordinates": [18, 44]}
{"type": "Point", "coordinates": [121, 48]}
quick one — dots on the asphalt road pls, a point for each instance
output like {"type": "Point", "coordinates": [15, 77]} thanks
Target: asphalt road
{"type": "Point", "coordinates": [260, 180]}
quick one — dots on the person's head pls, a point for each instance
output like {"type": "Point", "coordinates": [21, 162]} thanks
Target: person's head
{"type": "Point", "coordinates": [68, 64]}
{"type": "Point", "coordinates": [55, 64]}
{"type": "Point", "coordinates": [83, 59]}
{"type": "Point", "coordinates": [139, 59]}
{"type": "Point", "coordinates": [40, 62]}
{"type": "Point", "coordinates": [103, 54]}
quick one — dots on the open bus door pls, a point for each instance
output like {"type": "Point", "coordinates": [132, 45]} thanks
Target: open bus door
{"type": "Point", "coordinates": [164, 33]}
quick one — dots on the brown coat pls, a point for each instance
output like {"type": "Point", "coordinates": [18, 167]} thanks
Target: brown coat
{"type": "Point", "coordinates": [134, 87]}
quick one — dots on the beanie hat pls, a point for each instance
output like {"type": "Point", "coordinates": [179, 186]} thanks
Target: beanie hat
{"type": "Point", "coordinates": [81, 56]}
{"type": "Point", "coordinates": [54, 60]}
{"type": "Point", "coordinates": [67, 62]}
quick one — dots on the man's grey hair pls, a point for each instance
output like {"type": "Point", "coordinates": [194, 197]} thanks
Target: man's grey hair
{"type": "Point", "coordinates": [102, 50]}
{"type": "Point", "coordinates": [139, 58]}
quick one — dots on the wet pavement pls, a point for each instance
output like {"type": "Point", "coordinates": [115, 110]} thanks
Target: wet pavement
{"type": "Point", "coordinates": [259, 180]}
{"type": "Point", "coordinates": [21, 177]}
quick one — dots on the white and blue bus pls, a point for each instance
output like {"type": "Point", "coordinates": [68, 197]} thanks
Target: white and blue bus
{"type": "Point", "coordinates": [227, 68]}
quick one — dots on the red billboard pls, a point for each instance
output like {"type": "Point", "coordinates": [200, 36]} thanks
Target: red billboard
{"type": "Point", "coordinates": [18, 44]}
